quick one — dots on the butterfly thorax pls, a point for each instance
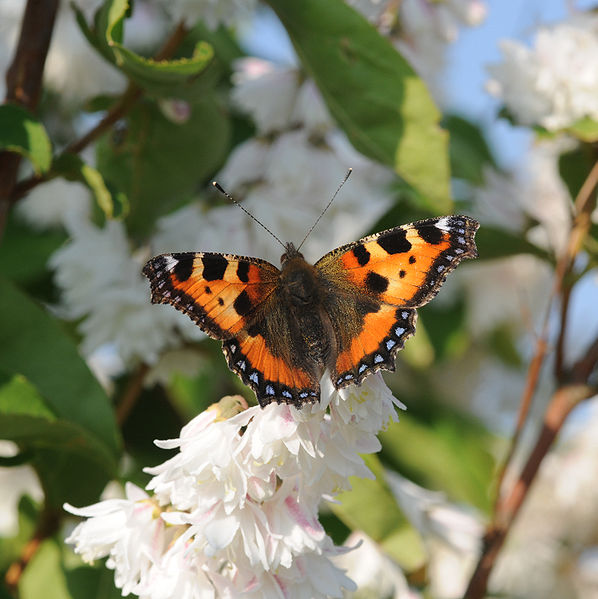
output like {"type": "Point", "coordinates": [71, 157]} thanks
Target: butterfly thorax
{"type": "Point", "coordinates": [301, 291]}
{"type": "Point", "coordinates": [299, 282]}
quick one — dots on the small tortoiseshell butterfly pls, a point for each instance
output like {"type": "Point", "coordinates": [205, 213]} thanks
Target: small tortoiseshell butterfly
{"type": "Point", "coordinates": [349, 313]}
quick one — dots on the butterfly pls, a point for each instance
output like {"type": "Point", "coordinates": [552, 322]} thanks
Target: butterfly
{"type": "Point", "coordinates": [350, 312]}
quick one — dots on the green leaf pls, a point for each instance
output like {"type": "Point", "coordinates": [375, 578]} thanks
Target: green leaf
{"type": "Point", "coordinates": [52, 404]}
{"type": "Point", "coordinates": [575, 166]}
{"type": "Point", "coordinates": [372, 92]}
{"type": "Point", "coordinates": [469, 150]}
{"type": "Point", "coordinates": [585, 130]}
{"type": "Point", "coordinates": [25, 253]}
{"type": "Point", "coordinates": [158, 163]}
{"type": "Point", "coordinates": [73, 168]}
{"type": "Point", "coordinates": [444, 451]}
{"type": "Point", "coordinates": [172, 78]}
{"type": "Point", "coordinates": [497, 243]}
{"type": "Point", "coordinates": [44, 575]}
{"type": "Point", "coordinates": [22, 133]}
{"type": "Point", "coordinates": [371, 507]}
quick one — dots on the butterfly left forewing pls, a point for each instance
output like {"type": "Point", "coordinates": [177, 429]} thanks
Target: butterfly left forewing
{"type": "Point", "coordinates": [220, 292]}
{"type": "Point", "coordinates": [395, 271]}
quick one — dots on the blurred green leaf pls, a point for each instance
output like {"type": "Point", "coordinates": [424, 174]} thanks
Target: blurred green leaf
{"type": "Point", "coordinates": [585, 130]}
{"type": "Point", "coordinates": [25, 253]}
{"type": "Point", "coordinates": [73, 168]}
{"type": "Point", "coordinates": [52, 404]}
{"type": "Point", "coordinates": [372, 92]}
{"type": "Point", "coordinates": [445, 327]}
{"type": "Point", "coordinates": [171, 78]}
{"type": "Point", "coordinates": [497, 243]}
{"type": "Point", "coordinates": [158, 163]}
{"type": "Point", "coordinates": [22, 133]}
{"type": "Point", "coordinates": [469, 150]}
{"type": "Point", "coordinates": [445, 450]}
{"type": "Point", "coordinates": [87, 582]}
{"type": "Point", "coordinates": [44, 575]}
{"type": "Point", "coordinates": [371, 507]}
{"type": "Point", "coordinates": [575, 166]}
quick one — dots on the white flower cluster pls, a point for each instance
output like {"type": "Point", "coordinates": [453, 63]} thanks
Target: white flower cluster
{"type": "Point", "coordinates": [102, 284]}
{"type": "Point", "coordinates": [554, 83]}
{"type": "Point", "coordinates": [235, 512]}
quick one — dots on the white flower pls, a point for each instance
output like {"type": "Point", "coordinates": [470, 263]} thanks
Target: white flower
{"type": "Point", "coordinates": [452, 535]}
{"type": "Point", "coordinates": [237, 508]}
{"type": "Point", "coordinates": [374, 573]}
{"type": "Point", "coordinates": [276, 97]}
{"type": "Point", "coordinates": [101, 282]}
{"type": "Point", "coordinates": [53, 203]}
{"type": "Point", "coordinates": [128, 531]}
{"type": "Point", "coordinates": [553, 83]}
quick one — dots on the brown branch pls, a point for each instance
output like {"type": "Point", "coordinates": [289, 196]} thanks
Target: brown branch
{"type": "Point", "coordinates": [131, 394]}
{"type": "Point", "coordinates": [563, 401]}
{"type": "Point", "coordinates": [559, 359]}
{"type": "Point", "coordinates": [24, 84]}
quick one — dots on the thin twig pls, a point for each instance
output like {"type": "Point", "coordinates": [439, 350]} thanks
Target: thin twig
{"type": "Point", "coordinates": [559, 351]}
{"type": "Point", "coordinates": [584, 203]}
{"type": "Point", "coordinates": [563, 401]}
{"type": "Point", "coordinates": [131, 394]}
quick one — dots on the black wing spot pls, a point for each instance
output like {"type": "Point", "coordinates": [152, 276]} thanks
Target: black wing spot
{"type": "Point", "coordinates": [395, 243]}
{"type": "Point", "coordinates": [220, 301]}
{"type": "Point", "coordinates": [214, 267]}
{"type": "Point", "coordinates": [242, 304]}
{"type": "Point", "coordinates": [361, 254]}
{"type": "Point", "coordinates": [254, 330]}
{"type": "Point", "coordinates": [208, 290]}
{"type": "Point", "coordinates": [430, 234]}
{"type": "Point", "coordinates": [402, 273]}
{"type": "Point", "coordinates": [183, 267]}
{"type": "Point", "coordinates": [376, 283]}
{"type": "Point", "coordinates": [411, 259]}
{"type": "Point", "coordinates": [243, 271]}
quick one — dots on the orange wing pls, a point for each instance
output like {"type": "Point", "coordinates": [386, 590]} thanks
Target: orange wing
{"type": "Point", "coordinates": [381, 278]}
{"type": "Point", "coordinates": [235, 299]}
{"type": "Point", "coordinates": [220, 292]}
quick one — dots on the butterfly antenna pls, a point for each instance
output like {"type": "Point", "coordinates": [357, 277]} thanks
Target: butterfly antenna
{"type": "Point", "coordinates": [219, 188]}
{"type": "Point", "coordinates": [327, 206]}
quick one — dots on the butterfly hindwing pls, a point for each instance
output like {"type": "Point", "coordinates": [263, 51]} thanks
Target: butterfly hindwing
{"type": "Point", "coordinates": [379, 280]}
{"type": "Point", "coordinates": [265, 357]}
